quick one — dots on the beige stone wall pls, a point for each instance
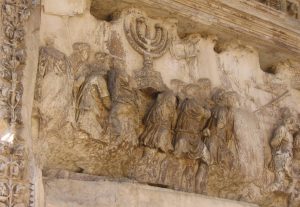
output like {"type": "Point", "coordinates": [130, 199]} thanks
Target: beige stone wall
{"type": "Point", "coordinates": [108, 193]}
{"type": "Point", "coordinates": [230, 63]}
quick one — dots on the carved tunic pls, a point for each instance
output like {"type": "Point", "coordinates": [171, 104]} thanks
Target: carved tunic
{"type": "Point", "coordinates": [191, 121]}
{"type": "Point", "coordinates": [124, 114]}
{"type": "Point", "coordinates": [282, 145]}
{"type": "Point", "coordinates": [221, 127]}
{"type": "Point", "coordinates": [160, 122]}
{"type": "Point", "coordinates": [121, 88]}
{"type": "Point", "coordinates": [282, 142]}
{"type": "Point", "coordinates": [91, 112]}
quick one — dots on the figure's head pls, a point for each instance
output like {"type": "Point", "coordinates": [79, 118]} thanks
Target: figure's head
{"type": "Point", "coordinates": [218, 96]}
{"type": "Point", "coordinates": [205, 87]}
{"type": "Point", "coordinates": [192, 91]}
{"type": "Point", "coordinates": [289, 119]}
{"type": "Point", "coordinates": [82, 50]}
{"type": "Point", "coordinates": [168, 98]}
{"type": "Point", "coordinates": [290, 123]}
{"type": "Point", "coordinates": [104, 58]}
{"type": "Point", "coordinates": [177, 85]}
{"type": "Point", "coordinates": [231, 99]}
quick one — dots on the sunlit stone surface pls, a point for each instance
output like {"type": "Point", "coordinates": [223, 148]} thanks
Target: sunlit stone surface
{"type": "Point", "coordinates": [150, 103]}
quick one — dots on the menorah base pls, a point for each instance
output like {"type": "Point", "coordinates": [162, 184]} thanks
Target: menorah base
{"type": "Point", "coordinates": [149, 81]}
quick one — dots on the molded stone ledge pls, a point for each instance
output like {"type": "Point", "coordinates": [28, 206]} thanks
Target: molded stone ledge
{"type": "Point", "coordinates": [78, 190]}
{"type": "Point", "coordinates": [250, 21]}
{"type": "Point", "coordinates": [65, 7]}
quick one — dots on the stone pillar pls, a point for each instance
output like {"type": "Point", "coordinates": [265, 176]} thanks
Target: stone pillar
{"type": "Point", "coordinates": [15, 174]}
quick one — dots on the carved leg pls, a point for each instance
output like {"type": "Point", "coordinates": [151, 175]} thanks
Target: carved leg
{"type": "Point", "coordinates": [201, 178]}
{"type": "Point", "coordinates": [279, 181]}
{"type": "Point", "coordinates": [163, 170]}
{"type": "Point", "coordinates": [290, 176]}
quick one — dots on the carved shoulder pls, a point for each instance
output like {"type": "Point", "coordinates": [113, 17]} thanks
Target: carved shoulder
{"type": "Point", "coordinates": [279, 134]}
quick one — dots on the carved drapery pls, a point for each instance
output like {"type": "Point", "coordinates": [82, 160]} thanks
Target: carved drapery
{"type": "Point", "coordinates": [185, 141]}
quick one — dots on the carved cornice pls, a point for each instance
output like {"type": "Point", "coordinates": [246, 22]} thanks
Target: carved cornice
{"type": "Point", "coordinates": [14, 184]}
{"type": "Point", "coordinates": [271, 27]}
{"type": "Point", "coordinates": [257, 24]}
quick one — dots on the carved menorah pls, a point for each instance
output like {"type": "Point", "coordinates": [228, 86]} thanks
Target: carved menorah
{"type": "Point", "coordinates": [151, 44]}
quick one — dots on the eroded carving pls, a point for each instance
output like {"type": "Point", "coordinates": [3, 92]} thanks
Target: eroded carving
{"type": "Point", "coordinates": [13, 165]}
{"type": "Point", "coordinates": [190, 129]}
{"type": "Point", "coordinates": [282, 150]}
{"type": "Point", "coordinates": [186, 141]}
{"type": "Point", "coordinates": [151, 45]}
{"type": "Point", "coordinates": [221, 144]}
{"type": "Point", "coordinates": [92, 99]}
{"type": "Point", "coordinates": [123, 117]}
{"type": "Point", "coordinates": [291, 7]}
{"type": "Point", "coordinates": [160, 123]}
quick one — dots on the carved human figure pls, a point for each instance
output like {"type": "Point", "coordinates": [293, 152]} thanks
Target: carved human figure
{"type": "Point", "coordinates": [177, 86]}
{"type": "Point", "coordinates": [103, 62]}
{"type": "Point", "coordinates": [190, 129]}
{"type": "Point", "coordinates": [123, 117]}
{"type": "Point", "coordinates": [160, 123]}
{"type": "Point", "coordinates": [53, 88]}
{"type": "Point", "coordinates": [294, 189]}
{"type": "Point", "coordinates": [52, 60]}
{"type": "Point", "coordinates": [93, 104]}
{"type": "Point", "coordinates": [282, 151]}
{"type": "Point", "coordinates": [192, 118]}
{"type": "Point", "coordinates": [79, 58]}
{"type": "Point", "coordinates": [222, 144]}
{"type": "Point", "coordinates": [90, 91]}
{"type": "Point", "coordinates": [92, 101]}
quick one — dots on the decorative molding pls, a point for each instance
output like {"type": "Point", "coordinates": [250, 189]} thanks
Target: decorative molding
{"type": "Point", "coordinates": [14, 184]}
{"type": "Point", "coordinates": [253, 22]}
{"type": "Point", "coordinates": [290, 7]}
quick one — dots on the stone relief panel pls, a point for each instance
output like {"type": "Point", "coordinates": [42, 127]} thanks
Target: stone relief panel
{"type": "Point", "coordinates": [151, 41]}
{"type": "Point", "coordinates": [291, 7]}
{"type": "Point", "coordinates": [95, 114]}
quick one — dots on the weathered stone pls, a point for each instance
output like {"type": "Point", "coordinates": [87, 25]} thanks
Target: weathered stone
{"type": "Point", "coordinates": [106, 193]}
{"type": "Point", "coordinates": [192, 96]}
{"type": "Point", "coordinates": [65, 7]}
